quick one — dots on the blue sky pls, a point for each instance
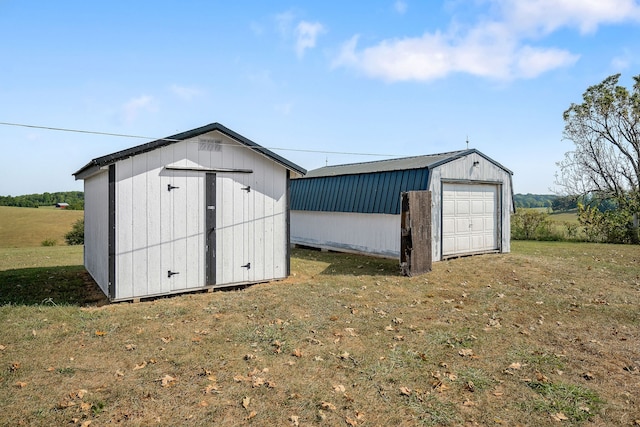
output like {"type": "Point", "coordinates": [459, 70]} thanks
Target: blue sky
{"type": "Point", "coordinates": [389, 77]}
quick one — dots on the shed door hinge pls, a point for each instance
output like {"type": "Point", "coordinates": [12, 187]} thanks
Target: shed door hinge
{"type": "Point", "coordinates": [171, 187]}
{"type": "Point", "coordinates": [247, 266]}
{"type": "Point", "coordinates": [171, 273]}
{"type": "Point", "coordinates": [247, 189]}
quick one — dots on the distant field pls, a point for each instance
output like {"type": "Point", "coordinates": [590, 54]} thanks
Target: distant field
{"type": "Point", "coordinates": [28, 227]}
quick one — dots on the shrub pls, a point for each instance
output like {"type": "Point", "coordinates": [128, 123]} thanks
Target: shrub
{"type": "Point", "coordinates": [49, 242]}
{"type": "Point", "coordinates": [611, 226]}
{"type": "Point", "coordinates": [76, 235]}
{"type": "Point", "coordinates": [529, 224]}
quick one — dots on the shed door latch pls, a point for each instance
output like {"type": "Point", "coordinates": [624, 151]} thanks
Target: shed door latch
{"type": "Point", "coordinates": [247, 189]}
{"type": "Point", "coordinates": [171, 187]}
{"type": "Point", "coordinates": [247, 266]}
{"type": "Point", "coordinates": [171, 273]}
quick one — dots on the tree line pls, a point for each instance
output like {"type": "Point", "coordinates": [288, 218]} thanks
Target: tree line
{"type": "Point", "coordinates": [75, 199]}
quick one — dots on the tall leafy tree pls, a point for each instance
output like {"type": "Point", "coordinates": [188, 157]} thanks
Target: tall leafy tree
{"type": "Point", "coordinates": [605, 130]}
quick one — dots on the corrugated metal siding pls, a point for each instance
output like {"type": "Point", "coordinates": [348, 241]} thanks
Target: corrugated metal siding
{"type": "Point", "coordinates": [364, 193]}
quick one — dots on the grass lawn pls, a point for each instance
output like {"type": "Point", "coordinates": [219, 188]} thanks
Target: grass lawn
{"type": "Point", "coordinates": [29, 227]}
{"type": "Point", "coordinates": [546, 335]}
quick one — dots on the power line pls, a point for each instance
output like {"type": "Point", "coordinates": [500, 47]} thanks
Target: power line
{"type": "Point", "coordinates": [122, 135]}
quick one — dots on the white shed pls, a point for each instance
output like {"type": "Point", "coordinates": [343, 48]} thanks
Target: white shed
{"type": "Point", "coordinates": [201, 209]}
{"type": "Point", "coordinates": [357, 207]}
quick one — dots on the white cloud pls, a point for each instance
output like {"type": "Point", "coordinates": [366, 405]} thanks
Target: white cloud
{"type": "Point", "coordinates": [132, 108]}
{"type": "Point", "coordinates": [306, 35]}
{"type": "Point", "coordinates": [503, 44]}
{"type": "Point", "coordinates": [546, 16]}
{"type": "Point", "coordinates": [284, 22]}
{"type": "Point", "coordinates": [400, 6]}
{"type": "Point", "coordinates": [184, 92]}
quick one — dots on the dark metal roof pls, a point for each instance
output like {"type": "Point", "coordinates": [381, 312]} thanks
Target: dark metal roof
{"type": "Point", "coordinates": [100, 162]}
{"type": "Point", "coordinates": [415, 162]}
{"type": "Point", "coordinates": [370, 187]}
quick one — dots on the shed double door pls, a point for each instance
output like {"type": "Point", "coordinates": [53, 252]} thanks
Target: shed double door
{"type": "Point", "coordinates": [470, 218]}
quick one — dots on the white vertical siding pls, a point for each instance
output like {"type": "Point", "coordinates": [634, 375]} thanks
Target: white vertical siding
{"type": "Point", "coordinates": [377, 234]}
{"type": "Point", "coordinates": [158, 230]}
{"type": "Point", "coordinates": [463, 170]}
{"type": "Point", "coordinates": [251, 225]}
{"type": "Point", "coordinates": [96, 228]}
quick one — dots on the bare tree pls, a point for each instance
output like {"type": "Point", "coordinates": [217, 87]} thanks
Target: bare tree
{"type": "Point", "coordinates": [605, 129]}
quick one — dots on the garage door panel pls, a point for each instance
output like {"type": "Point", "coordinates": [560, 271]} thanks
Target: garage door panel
{"type": "Point", "coordinates": [473, 223]}
{"type": "Point", "coordinates": [462, 207]}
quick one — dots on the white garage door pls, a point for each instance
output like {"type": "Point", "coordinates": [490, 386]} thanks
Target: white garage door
{"type": "Point", "coordinates": [469, 218]}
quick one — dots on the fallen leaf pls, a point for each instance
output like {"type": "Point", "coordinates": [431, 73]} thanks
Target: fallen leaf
{"type": "Point", "coordinates": [2, 347]}
{"type": "Point", "coordinates": [351, 332]}
{"type": "Point", "coordinates": [166, 339]}
{"type": "Point", "coordinates": [398, 321]}
{"type": "Point", "coordinates": [515, 365]}
{"type": "Point", "coordinates": [80, 393]}
{"type": "Point", "coordinates": [211, 388]}
{"type": "Point", "coordinates": [203, 404]}
{"type": "Point", "coordinates": [297, 353]}
{"type": "Point", "coordinates": [14, 366]}
{"type": "Point", "coordinates": [405, 391]}
{"type": "Point", "coordinates": [351, 422]}
{"type": "Point", "coordinates": [359, 415]}
{"type": "Point", "coordinates": [541, 378]}
{"type": "Point", "coordinates": [119, 373]}
{"type": "Point", "coordinates": [167, 380]}
{"type": "Point", "coordinates": [87, 423]}
{"type": "Point", "coordinates": [295, 420]}
{"type": "Point", "coordinates": [101, 333]}
{"type": "Point", "coordinates": [257, 382]}
{"type": "Point", "coordinates": [344, 355]}
{"type": "Point", "coordinates": [20, 384]}
{"type": "Point", "coordinates": [389, 328]}
{"type": "Point", "coordinates": [130, 347]}
{"type": "Point", "coordinates": [339, 388]}
{"type": "Point", "coordinates": [465, 352]}
{"type": "Point", "coordinates": [252, 414]}
{"type": "Point", "coordinates": [588, 376]}
{"type": "Point", "coordinates": [559, 417]}
{"type": "Point", "coordinates": [328, 406]}
{"type": "Point", "coordinates": [245, 402]}
{"type": "Point", "coordinates": [468, 403]}
{"type": "Point", "coordinates": [140, 366]}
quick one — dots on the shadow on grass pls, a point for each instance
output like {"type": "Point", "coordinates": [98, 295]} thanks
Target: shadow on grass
{"type": "Point", "coordinates": [342, 263]}
{"type": "Point", "coordinates": [70, 285]}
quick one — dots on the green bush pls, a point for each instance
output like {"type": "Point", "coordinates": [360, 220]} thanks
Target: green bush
{"type": "Point", "coordinates": [49, 242]}
{"type": "Point", "coordinates": [76, 235]}
{"type": "Point", "coordinates": [611, 226]}
{"type": "Point", "coordinates": [529, 224]}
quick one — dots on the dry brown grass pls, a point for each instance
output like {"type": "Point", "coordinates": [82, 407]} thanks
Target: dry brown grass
{"type": "Point", "coordinates": [29, 227]}
{"type": "Point", "coordinates": [548, 332]}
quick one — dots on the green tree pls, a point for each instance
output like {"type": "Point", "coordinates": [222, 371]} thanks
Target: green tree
{"type": "Point", "coordinates": [76, 235]}
{"type": "Point", "coordinates": [605, 163]}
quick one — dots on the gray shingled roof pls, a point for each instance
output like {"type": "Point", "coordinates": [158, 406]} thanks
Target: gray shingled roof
{"type": "Point", "coordinates": [416, 162]}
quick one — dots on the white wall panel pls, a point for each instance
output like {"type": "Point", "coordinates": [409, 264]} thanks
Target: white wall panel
{"type": "Point", "coordinates": [377, 234]}
{"type": "Point", "coordinates": [96, 228]}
